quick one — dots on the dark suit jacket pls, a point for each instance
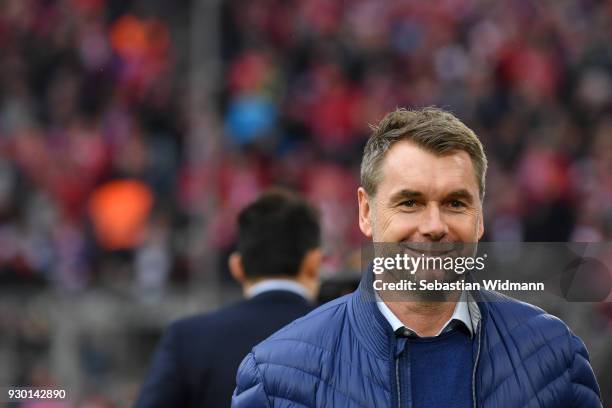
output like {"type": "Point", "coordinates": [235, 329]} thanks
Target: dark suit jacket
{"type": "Point", "coordinates": [196, 361]}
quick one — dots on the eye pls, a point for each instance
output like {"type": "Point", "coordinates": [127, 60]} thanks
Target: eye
{"type": "Point", "coordinates": [457, 204]}
{"type": "Point", "coordinates": [409, 203]}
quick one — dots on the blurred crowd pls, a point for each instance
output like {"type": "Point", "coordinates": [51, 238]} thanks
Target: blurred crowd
{"type": "Point", "coordinates": [91, 134]}
{"type": "Point", "coordinates": [96, 187]}
{"type": "Point", "coordinates": [304, 80]}
{"type": "Point", "coordinates": [93, 122]}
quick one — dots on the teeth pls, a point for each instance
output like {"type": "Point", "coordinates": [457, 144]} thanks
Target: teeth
{"type": "Point", "coordinates": [434, 249]}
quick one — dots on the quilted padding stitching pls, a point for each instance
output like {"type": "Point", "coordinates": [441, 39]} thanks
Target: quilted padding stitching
{"type": "Point", "coordinates": [588, 388]}
{"type": "Point", "coordinates": [559, 377]}
{"type": "Point", "coordinates": [506, 378]}
{"type": "Point", "coordinates": [586, 362]}
{"type": "Point", "coordinates": [541, 346]}
{"type": "Point", "coordinates": [535, 393]}
{"type": "Point", "coordinates": [259, 377]}
{"type": "Point", "coordinates": [331, 385]}
{"type": "Point", "coordinates": [534, 352]}
{"type": "Point", "coordinates": [372, 380]}
{"type": "Point", "coordinates": [287, 399]}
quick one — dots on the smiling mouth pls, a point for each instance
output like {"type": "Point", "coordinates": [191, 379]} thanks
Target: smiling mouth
{"type": "Point", "coordinates": [436, 249]}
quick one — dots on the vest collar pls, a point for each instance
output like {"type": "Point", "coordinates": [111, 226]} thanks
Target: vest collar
{"type": "Point", "coordinates": [371, 327]}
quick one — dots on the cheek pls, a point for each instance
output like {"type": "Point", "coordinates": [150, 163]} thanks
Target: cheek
{"type": "Point", "coordinates": [465, 228]}
{"type": "Point", "coordinates": [396, 226]}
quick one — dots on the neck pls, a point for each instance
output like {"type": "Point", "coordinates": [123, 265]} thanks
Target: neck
{"type": "Point", "coordinates": [309, 287]}
{"type": "Point", "coordinates": [426, 318]}
{"type": "Point", "coordinates": [426, 315]}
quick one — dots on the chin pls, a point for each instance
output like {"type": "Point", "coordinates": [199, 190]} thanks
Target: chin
{"type": "Point", "coordinates": [437, 276]}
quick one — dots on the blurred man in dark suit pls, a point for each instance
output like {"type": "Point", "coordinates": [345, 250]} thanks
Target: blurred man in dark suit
{"type": "Point", "coordinates": [277, 264]}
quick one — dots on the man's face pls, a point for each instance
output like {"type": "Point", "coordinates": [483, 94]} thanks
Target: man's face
{"type": "Point", "coordinates": [422, 197]}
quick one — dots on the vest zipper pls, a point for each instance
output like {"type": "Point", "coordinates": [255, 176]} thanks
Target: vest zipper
{"type": "Point", "coordinates": [474, 370]}
{"type": "Point", "coordinates": [397, 383]}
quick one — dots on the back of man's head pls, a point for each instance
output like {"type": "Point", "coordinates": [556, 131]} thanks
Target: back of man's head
{"type": "Point", "coordinates": [275, 233]}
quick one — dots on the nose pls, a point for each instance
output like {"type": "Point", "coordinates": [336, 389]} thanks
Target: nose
{"type": "Point", "coordinates": [432, 226]}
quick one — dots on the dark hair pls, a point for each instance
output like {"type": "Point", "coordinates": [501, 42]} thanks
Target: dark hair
{"type": "Point", "coordinates": [275, 232]}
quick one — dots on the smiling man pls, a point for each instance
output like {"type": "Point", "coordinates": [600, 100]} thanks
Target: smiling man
{"type": "Point", "coordinates": [423, 176]}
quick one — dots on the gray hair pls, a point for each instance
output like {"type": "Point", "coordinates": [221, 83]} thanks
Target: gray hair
{"type": "Point", "coordinates": [432, 129]}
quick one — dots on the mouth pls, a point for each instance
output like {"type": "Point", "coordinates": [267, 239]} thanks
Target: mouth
{"type": "Point", "coordinates": [434, 249]}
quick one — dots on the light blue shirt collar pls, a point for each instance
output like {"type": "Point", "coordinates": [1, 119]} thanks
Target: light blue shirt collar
{"type": "Point", "coordinates": [461, 313]}
{"type": "Point", "coordinates": [288, 285]}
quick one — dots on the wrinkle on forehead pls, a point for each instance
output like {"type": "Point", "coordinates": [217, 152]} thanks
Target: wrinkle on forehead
{"type": "Point", "coordinates": [409, 166]}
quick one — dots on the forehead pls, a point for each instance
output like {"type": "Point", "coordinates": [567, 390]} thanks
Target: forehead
{"type": "Point", "coordinates": [408, 166]}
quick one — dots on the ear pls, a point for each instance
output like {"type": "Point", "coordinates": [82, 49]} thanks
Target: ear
{"type": "Point", "coordinates": [236, 268]}
{"type": "Point", "coordinates": [365, 224]}
{"type": "Point", "coordinates": [308, 274]}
